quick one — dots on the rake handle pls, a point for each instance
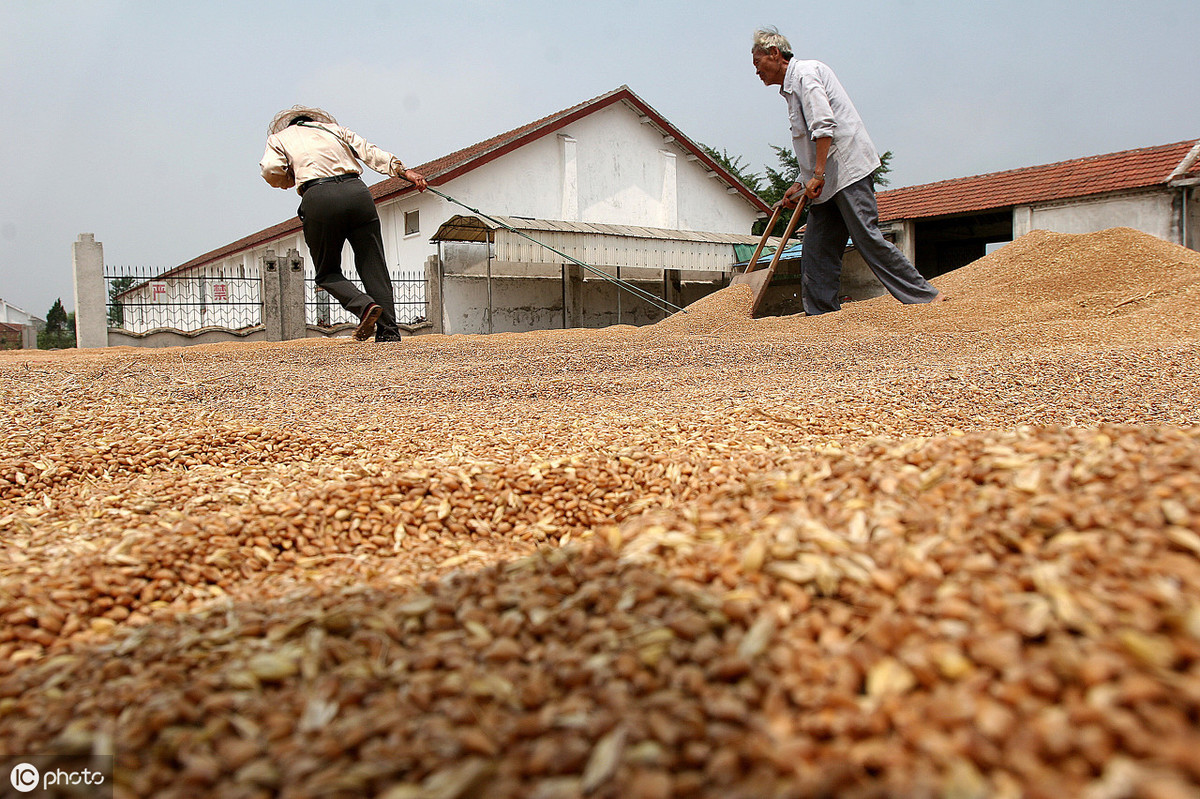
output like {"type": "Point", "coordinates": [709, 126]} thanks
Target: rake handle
{"type": "Point", "coordinates": [753, 263]}
{"type": "Point", "coordinates": [787, 234]}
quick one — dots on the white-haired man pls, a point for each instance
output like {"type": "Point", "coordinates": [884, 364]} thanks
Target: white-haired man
{"type": "Point", "coordinates": [307, 148]}
{"type": "Point", "coordinates": [837, 161]}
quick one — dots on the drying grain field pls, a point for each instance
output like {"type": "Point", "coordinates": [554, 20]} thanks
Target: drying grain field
{"type": "Point", "coordinates": [935, 551]}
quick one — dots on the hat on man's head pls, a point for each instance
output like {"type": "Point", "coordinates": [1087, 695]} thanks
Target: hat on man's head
{"type": "Point", "coordinates": [284, 118]}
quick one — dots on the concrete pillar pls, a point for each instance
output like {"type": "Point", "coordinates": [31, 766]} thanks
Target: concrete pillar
{"type": "Point", "coordinates": [491, 328]}
{"type": "Point", "coordinates": [91, 298]}
{"type": "Point", "coordinates": [570, 187]}
{"type": "Point", "coordinates": [433, 290]}
{"type": "Point", "coordinates": [673, 287]}
{"type": "Point", "coordinates": [906, 239]}
{"type": "Point", "coordinates": [572, 295]}
{"type": "Point", "coordinates": [292, 322]}
{"type": "Point", "coordinates": [670, 191]}
{"type": "Point", "coordinates": [1022, 220]}
{"type": "Point", "coordinates": [269, 293]}
{"type": "Point", "coordinates": [29, 337]}
{"type": "Point", "coordinates": [1191, 233]}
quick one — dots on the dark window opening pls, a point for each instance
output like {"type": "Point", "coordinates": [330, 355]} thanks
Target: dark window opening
{"type": "Point", "coordinates": [944, 245]}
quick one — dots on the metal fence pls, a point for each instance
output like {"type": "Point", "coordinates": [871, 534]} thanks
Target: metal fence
{"type": "Point", "coordinates": [144, 298]}
{"type": "Point", "coordinates": [408, 289]}
{"type": "Point", "coordinates": [141, 299]}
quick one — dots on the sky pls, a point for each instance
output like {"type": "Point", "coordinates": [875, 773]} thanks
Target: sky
{"type": "Point", "coordinates": [143, 122]}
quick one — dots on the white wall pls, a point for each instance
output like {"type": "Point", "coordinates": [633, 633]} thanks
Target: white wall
{"type": "Point", "coordinates": [536, 303]}
{"type": "Point", "coordinates": [614, 169]}
{"type": "Point", "coordinates": [1149, 212]}
{"type": "Point", "coordinates": [620, 176]}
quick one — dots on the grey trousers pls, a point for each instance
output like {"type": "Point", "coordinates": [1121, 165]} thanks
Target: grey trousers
{"type": "Point", "coordinates": [852, 213]}
{"type": "Point", "coordinates": [332, 214]}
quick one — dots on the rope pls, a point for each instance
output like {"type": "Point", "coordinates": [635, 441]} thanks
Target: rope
{"type": "Point", "coordinates": [623, 284]}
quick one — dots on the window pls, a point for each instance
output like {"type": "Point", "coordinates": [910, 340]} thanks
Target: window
{"type": "Point", "coordinates": [412, 222]}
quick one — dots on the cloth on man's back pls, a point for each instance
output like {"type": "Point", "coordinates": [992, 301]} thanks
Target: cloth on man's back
{"type": "Point", "coordinates": [308, 151]}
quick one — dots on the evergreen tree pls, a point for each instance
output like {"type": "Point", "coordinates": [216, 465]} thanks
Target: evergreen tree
{"type": "Point", "coordinates": [885, 166]}
{"type": "Point", "coordinates": [116, 309]}
{"type": "Point", "coordinates": [59, 332]}
{"type": "Point", "coordinates": [734, 164]}
{"type": "Point", "coordinates": [778, 181]}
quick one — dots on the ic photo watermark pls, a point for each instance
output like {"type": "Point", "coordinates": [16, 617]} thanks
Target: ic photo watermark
{"type": "Point", "coordinates": [85, 777]}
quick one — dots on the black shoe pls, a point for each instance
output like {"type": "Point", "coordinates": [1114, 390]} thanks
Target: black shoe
{"type": "Point", "coordinates": [367, 325]}
{"type": "Point", "coordinates": [386, 335]}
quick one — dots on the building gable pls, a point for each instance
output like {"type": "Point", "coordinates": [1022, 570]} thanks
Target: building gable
{"type": "Point", "coordinates": [448, 167]}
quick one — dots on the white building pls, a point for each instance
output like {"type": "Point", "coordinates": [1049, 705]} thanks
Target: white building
{"type": "Point", "coordinates": [18, 327]}
{"type": "Point", "coordinates": [11, 314]}
{"type": "Point", "coordinates": [945, 225]}
{"type": "Point", "coordinates": [610, 160]}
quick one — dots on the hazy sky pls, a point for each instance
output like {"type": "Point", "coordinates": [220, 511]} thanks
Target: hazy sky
{"type": "Point", "coordinates": [143, 122]}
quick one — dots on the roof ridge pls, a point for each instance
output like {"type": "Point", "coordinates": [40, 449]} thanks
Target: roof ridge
{"type": "Point", "coordinates": [1185, 166]}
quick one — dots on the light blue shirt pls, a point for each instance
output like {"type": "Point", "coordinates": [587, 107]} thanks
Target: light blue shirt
{"type": "Point", "coordinates": [818, 107]}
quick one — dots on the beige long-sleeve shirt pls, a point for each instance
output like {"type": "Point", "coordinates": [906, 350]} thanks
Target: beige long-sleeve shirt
{"type": "Point", "coordinates": [301, 153]}
{"type": "Point", "coordinates": [818, 107]}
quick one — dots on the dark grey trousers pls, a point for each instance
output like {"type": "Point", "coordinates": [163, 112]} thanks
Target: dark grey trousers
{"type": "Point", "coordinates": [852, 213]}
{"type": "Point", "coordinates": [332, 214]}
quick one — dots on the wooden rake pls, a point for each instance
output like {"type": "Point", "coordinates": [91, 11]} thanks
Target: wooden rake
{"type": "Point", "coordinates": [758, 279]}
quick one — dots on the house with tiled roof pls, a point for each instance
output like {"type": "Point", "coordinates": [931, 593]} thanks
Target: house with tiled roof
{"type": "Point", "coordinates": [950, 223]}
{"type": "Point", "coordinates": [18, 327]}
{"type": "Point", "coordinates": [612, 160]}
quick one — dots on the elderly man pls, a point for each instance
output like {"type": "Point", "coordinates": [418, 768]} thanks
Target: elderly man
{"type": "Point", "coordinates": [837, 161]}
{"type": "Point", "coordinates": [307, 148]}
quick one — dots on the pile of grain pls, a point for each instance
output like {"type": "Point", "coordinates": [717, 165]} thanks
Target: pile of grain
{"type": "Point", "coordinates": [893, 551]}
{"type": "Point", "coordinates": [1091, 289]}
{"type": "Point", "coordinates": [724, 312]}
{"type": "Point", "coordinates": [1088, 269]}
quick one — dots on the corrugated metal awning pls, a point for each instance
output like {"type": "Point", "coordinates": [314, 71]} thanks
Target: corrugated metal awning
{"type": "Point", "coordinates": [597, 244]}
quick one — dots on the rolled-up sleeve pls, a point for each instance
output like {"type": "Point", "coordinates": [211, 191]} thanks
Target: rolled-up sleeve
{"type": "Point", "coordinates": [275, 167]}
{"type": "Point", "coordinates": [379, 160]}
{"type": "Point", "coordinates": [817, 109]}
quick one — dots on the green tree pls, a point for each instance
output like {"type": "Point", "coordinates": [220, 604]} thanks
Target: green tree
{"type": "Point", "coordinates": [59, 332]}
{"type": "Point", "coordinates": [116, 309]}
{"type": "Point", "coordinates": [885, 166]}
{"type": "Point", "coordinates": [778, 181]}
{"type": "Point", "coordinates": [734, 164]}
{"type": "Point", "coordinates": [781, 179]}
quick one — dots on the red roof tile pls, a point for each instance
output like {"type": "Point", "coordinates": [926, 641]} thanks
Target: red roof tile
{"type": "Point", "coordinates": [1098, 174]}
{"type": "Point", "coordinates": [444, 169]}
